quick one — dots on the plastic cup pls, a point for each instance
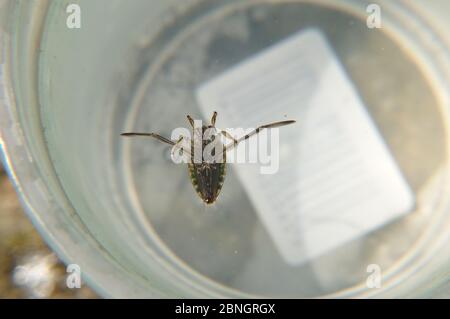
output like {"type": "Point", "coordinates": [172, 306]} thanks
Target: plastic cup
{"type": "Point", "coordinates": [129, 217]}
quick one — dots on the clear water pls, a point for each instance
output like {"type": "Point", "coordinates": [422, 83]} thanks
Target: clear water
{"type": "Point", "coordinates": [130, 194]}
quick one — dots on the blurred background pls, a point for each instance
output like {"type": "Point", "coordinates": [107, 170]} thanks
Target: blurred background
{"type": "Point", "coordinates": [28, 268]}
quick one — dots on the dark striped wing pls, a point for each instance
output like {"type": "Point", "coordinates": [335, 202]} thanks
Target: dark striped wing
{"type": "Point", "coordinates": [207, 180]}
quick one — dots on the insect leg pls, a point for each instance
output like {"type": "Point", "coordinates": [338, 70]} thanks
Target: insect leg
{"type": "Point", "coordinates": [191, 120]}
{"type": "Point", "coordinates": [196, 131]}
{"type": "Point", "coordinates": [229, 136]}
{"type": "Point", "coordinates": [177, 147]}
{"type": "Point", "coordinates": [256, 131]}
{"type": "Point", "coordinates": [213, 119]}
{"type": "Point", "coordinates": [158, 137]}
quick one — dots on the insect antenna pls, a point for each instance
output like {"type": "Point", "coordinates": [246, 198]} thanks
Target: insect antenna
{"type": "Point", "coordinates": [191, 120]}
{"type": "Point", "coordinates": [213, 119]}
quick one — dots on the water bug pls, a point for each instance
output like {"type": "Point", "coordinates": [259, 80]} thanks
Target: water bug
{"type": "Point", "coordinates": [208, 177]}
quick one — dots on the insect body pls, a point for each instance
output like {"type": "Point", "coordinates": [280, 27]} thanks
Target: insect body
{"type": "Point", "coordinates": [208, 176]}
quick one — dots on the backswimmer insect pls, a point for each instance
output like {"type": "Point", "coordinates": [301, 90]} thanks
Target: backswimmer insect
{"type": "Point", "coordinates": [208, 177]}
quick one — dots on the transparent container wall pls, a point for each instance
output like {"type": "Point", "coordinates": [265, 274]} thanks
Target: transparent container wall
{"type": "Point", "coordinates": [136, 65]}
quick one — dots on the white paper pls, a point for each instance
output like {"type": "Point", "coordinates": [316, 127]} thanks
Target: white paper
{"type": "Point", "coordinates": [337, 179]}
